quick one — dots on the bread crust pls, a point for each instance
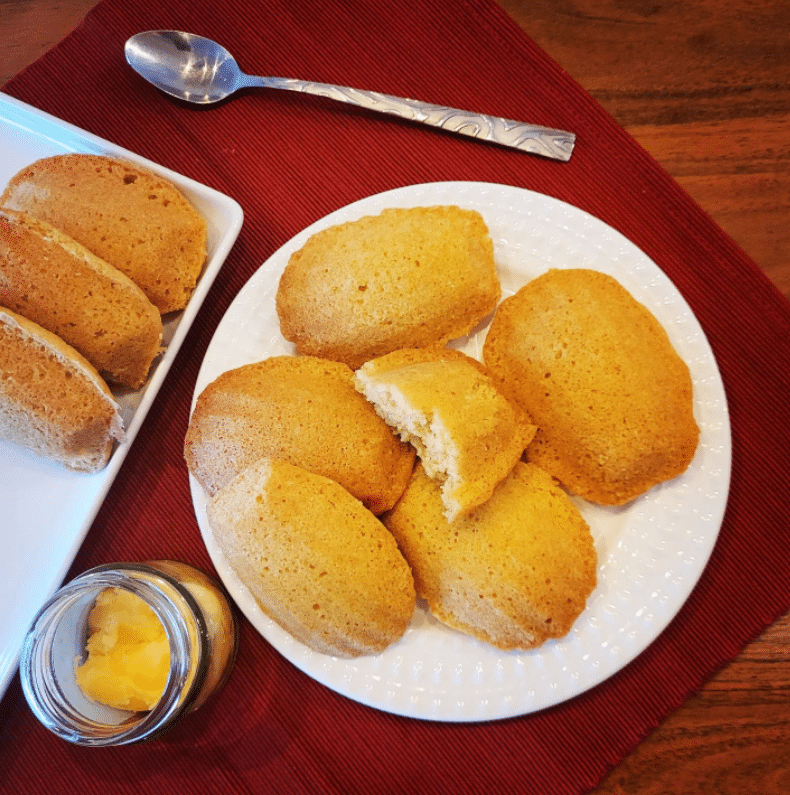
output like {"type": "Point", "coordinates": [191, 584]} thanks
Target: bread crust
{"type": "Point", "coordinates": [128, 216]}
{"type": "Point", "coordinates": [513, 573]}
{"type": "Point", "coordinates": [597, 374]}
{"type": "Point", "coordinates": [303, 410]}
{"type": "Point", "coordinates": [56, 282]}
{"type": "Point", "coordinates": [467, 434]}
{"type": "Point", "coordinates": [407, 278]}
{"type": "Point", "coordinates": [314, 558]}
{"type": "Point", "coordinates": [52, 401]}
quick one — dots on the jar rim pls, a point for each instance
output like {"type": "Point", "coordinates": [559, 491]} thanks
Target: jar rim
{"type": "Point", "coordinates": [185, 627]}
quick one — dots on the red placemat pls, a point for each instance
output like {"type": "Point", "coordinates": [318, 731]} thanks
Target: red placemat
{"type": "Point", "coordinates": [289, 159]}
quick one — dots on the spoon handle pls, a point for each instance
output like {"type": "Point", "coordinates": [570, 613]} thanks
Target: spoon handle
{"type": "Point", "coordinates": [555, 144]}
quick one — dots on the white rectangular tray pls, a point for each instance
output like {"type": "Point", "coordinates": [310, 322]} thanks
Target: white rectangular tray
{"type": "Point", "coordinates": [46, 510]}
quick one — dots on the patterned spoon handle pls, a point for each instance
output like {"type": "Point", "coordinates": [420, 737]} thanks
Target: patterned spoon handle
{"type": "Point", "coordinates": [556, 144]}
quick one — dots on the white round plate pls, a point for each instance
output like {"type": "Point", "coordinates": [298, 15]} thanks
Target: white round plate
{"type": "Point", "coordinates": [651, 552]}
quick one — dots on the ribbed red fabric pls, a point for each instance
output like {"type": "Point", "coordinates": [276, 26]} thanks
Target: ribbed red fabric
{"type": "Point", "coordinates": [290, 159]}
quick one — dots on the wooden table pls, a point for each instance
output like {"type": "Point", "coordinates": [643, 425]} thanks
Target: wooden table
{"type": "Point", "coordinates": [704, 86]}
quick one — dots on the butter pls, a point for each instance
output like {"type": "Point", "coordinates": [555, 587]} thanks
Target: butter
{"type": "Point", "coordinates": [128, 653]}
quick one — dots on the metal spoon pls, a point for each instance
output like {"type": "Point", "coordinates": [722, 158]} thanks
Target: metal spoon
{"type": "Point", "coordinates": [199, 70]}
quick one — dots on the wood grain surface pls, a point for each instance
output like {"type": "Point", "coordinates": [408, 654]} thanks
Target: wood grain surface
{"type": "Point", "coordinates": [704, 87]}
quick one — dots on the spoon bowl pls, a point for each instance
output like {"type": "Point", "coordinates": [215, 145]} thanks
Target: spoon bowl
{"type": "Point", "coordinates": [184, 66]}
{"type": "Point", "coordinates": [199, 70]}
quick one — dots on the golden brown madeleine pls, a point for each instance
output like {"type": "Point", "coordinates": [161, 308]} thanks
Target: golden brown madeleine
{"type": "Point", "coordinates": [315, 559]}
{"type": "Point", "coordinates": [303, 410]}
{"type": "Point", "coordinates": [515, 572]}
{"type": "Point", "coordinates": [129, 216]}
{"type": "Point", "coordinates": [598, 375]}
{"type": "Point", "coordinates": [407, 278]}
{"type": "Point", "coordinates": [56, 282]}
{"type": "Point", "coordinates": [52, 401]}
{"type": "Point", "coordinates": [467, 434]}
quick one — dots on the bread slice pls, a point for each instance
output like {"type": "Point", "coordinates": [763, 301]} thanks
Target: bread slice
{"type": "Point", "coordinates": [466, 433]}
{"type": "Point", "coordinates": [597, 374]}
{"type": "Point", "coordinates": [303, 410]}
{"type": "Point", "coordinates": [514, 573]}
{"type": "Point", "coordinates": [407, 278]}
{"type": "Point", "coordinates": [134, 219]}
{"type": "Point", "coordinates": [315, 559]}
{"type": "Point", "coordinates": [52, 401]}
{"type": "Point", "coordinates": [54, 281]}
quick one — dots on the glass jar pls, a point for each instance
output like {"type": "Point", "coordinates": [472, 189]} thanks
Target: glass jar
{"type": "Point", "coordinates": [201, 631]}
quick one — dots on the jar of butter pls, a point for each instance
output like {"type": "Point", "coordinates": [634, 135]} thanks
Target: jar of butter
{"type": "Point", "coordinates": [124, 651]}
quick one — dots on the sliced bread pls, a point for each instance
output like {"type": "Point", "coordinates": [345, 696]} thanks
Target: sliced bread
{"type": "Point", "coordinates": [52, 401]}
{"type": "Point", "coordinates": [56, 282]}
{"type": "Point", "coordinates": [134, 219]}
